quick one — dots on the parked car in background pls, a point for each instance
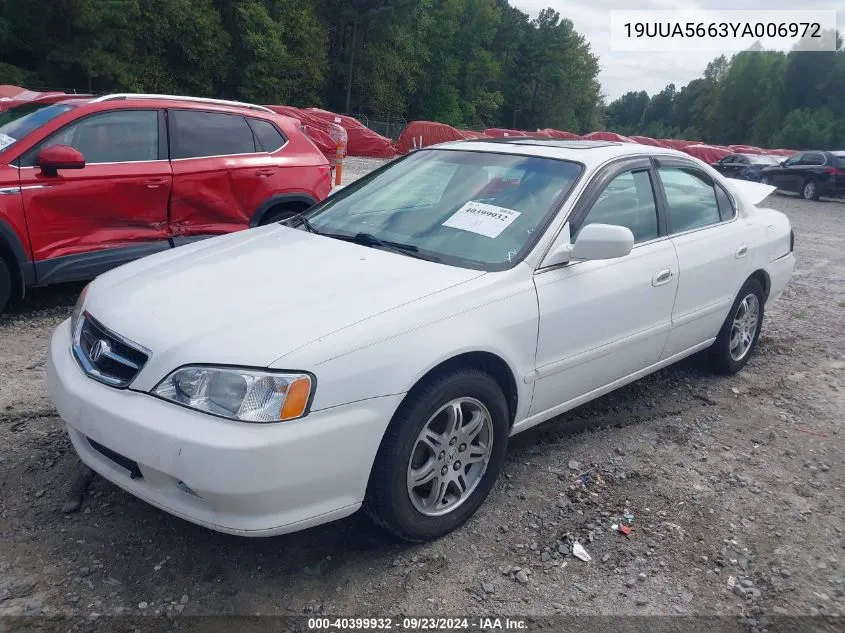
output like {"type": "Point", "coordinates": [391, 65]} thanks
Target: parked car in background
{"type": "Point", "coordinates": [812, 174]}
{"type": "Point", "coordinates": [745, 166]}
{"type": "Point", "coordinates": [381, 348]}
{"type": "Point", "coordinates": [87, 184]}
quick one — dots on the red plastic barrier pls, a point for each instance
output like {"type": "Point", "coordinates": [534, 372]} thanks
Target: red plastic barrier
{"type": "Point", "coordinates": [471, 135]}
{"type": "Point", "coordinates": [676, 143]}
{"type": "Point", "coordinates": [362, 140]}
{"type": "Point", "coordinates": [419, 134]}
{"type": "Point", "coordinates": [500, 132]}
{"type": "Point", "coordinates": [707, 153]}
{"type": "Point", "coordinates": [782, 152]}
{"type": "Point", "coordinates": [560, 134]}
{"type": "Point", "coordinates": [607, 136]}
{"type": "Point", "coordinates": [746, 149]}
{"type": "Point", "coordinates": [322, 140]}
{"type": "Point", "coordinates": [13, 96]}
{"type": "Point", "coordinates": [647, 140]}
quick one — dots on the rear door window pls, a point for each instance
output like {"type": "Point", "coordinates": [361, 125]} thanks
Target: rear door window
{"type": "Point", "coordinates": [691, 198]}
{"type": "Point", "coordinates": [196, 134]}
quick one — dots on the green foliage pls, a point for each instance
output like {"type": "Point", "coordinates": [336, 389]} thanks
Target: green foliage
{"type": "Point", "coordinates": [765, 98]}
{"type": "Point", "coordinates": [806, 129]}
{"type": "Point", "coordinates": [472, 63]}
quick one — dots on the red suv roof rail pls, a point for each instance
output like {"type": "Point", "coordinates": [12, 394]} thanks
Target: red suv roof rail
{"type": "Point", "coordinates": [128, 95]}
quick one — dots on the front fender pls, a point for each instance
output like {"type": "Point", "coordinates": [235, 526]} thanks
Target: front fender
{"type": "Point", "coordinates": [389, 354]}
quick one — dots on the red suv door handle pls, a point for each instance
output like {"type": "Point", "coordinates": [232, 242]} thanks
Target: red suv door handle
{"type": "Point", "coordinates": [265, 172]}
{"type": "Point", "coordinates": [152, 183]}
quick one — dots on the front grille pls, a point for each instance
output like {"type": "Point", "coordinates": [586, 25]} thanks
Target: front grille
{"type": "Point", "coordinates": [106, 356]}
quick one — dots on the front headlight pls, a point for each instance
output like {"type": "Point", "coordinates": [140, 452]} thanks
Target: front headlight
{"type": "Point", "coordinates": [77, 309]}
{"type": "Point", "coordinates": [248, 395]}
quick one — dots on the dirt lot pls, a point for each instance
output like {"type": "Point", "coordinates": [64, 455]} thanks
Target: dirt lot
{"type": "Point", "coordinates": [735, 484]}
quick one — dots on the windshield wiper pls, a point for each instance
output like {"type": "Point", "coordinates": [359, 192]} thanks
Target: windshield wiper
{"type": "Point", "coordinates": [304, 221]}
{"type": "Point", "coordinates": [368, 239]}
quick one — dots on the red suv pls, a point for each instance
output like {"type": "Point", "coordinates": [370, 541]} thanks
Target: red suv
{"type": "Point", "coordinates": [89, 184]}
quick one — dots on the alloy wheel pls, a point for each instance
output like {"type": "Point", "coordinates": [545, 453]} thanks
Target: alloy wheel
{"type": "Point", "coordinates": [744, 327]}
{"type": "Point", "coordinates": [450, 456]}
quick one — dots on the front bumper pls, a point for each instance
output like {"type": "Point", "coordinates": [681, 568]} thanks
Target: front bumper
{"type": "Point", "coordinates": [235, 477]}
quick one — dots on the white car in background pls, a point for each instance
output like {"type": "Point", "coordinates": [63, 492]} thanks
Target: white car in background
{"type": "Point", "coordinates": [380, 348]}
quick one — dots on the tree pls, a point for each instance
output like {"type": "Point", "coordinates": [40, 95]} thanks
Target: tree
{"type": "Point", "coordinates": [806, 129]}
{"type": "Point", "coordinates": [625, 114]}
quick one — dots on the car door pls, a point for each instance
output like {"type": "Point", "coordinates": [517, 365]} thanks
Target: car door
{"type": "Point", "coordinates": [778, 176]}
{"type": "Point", "coordinates": [206, 148]}
{"type": "Point", "coordinates": [714, 247]}
{"type": "Point", "coordinates": [84, 221]}
{"type": "Point", "coordinates": [727, 166]}
{"type": "Point", "coordinates": [606, 319]}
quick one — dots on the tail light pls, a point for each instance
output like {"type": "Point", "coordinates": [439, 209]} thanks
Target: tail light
{"type": "Point", "coordinates": [835, 171]}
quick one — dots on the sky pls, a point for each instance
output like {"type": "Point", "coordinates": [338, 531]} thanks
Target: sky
{"type": "Point", "coordinates": [622, 72]}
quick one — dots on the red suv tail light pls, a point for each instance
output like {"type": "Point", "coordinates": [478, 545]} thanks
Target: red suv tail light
{"type": "Point", "coordinates": [835, 171]}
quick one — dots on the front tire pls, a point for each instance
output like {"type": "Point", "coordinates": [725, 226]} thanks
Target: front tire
{"type": "Point", "coordinates": [810, 190]}
{"type": "Point", "coordinates": [5, 285]}
{"type": "Point", "coordinates": [278, 215]}
{"type": "Point", "coordinates": [440, 456]}
{"type": "Point", "coordinates": [764, 180]}
{"type": "Point", "coordinates": [739, 334]}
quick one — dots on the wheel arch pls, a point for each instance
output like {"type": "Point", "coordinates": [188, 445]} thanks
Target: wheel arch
{"type": "Point", "coordinates": [13, 253]}
{"type": "Point", "coordinates": [488, 362]}
{"type": "Point", "coordinates": [763, 277]}
{"type": "Point", "coordinates": [300, 200]}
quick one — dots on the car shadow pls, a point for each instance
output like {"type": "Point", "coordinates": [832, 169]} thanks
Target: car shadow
{"type": "Point", "coordinates": [45, 301]}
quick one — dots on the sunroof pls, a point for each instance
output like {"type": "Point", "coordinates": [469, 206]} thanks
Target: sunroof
{"type": "Point", "coordinates": [562, 143]}
{"type": "Point", "coordinates": [544, 142]}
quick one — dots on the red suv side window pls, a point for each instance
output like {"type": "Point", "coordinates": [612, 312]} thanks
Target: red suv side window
{"type": "Point", "coordinates": [195, 134]}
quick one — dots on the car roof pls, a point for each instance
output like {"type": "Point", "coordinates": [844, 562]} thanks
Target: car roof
{"type": "Point", "coordinates": [590, 153]}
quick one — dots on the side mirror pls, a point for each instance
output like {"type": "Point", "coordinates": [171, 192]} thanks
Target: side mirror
{"type": "Point", "coordinates": [595, 241]}
{"type": "Point", "coordinates": [51, 159]}
{"type": "Point", "coordinates": [783, 163]}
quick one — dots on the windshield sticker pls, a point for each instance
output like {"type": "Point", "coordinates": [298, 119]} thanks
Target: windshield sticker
{"type": "Point", "coordinates": [5, 140]}
{"type": "Point", "coordinates": [483, 219]}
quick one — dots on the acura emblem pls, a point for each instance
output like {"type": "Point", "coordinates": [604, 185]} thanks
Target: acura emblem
{"type": "Point", "coordinates": [101, 348]}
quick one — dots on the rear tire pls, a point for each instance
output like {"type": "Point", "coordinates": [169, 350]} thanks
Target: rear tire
{"type": "Point", "coordinates": [457, 468]}
{"type": "Point", "coordinates": [738, 337]}
{"type": "Point", "coordinates": [5, 285]}
{"type": "Point", "coordinates": [810, 190]}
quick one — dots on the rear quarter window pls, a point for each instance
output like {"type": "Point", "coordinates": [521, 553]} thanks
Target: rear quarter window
{"type": "Point", "coordinates": [268, 136]}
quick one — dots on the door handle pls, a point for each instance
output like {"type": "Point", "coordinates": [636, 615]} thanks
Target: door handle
{"type": "Point", "coordinates": [152, 183]}
{"type": "Point", "coordinates": [661, 277]}
{"type": "Point", "coordinates": [265, 172]}
{"type": "Point", "coordinates": [742, 251]}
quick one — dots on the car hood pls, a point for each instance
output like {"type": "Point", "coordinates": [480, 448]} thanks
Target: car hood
{"type": "Point", "coordinates": [252, 297]}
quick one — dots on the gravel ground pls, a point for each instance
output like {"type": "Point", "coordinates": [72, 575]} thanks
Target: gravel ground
{"type": "Point", "coordinates": [735, 486]}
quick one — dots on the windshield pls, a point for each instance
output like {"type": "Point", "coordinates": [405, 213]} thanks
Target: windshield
{"type": "Point", "coordinates": [18, 122]}
{"type": "Point", "coordinates": [471, 209]}
{"type": "Point", "coordinates": [765, 159]}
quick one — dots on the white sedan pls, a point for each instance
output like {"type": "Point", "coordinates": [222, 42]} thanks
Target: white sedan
{"type": "Point", "coordinates": [379, 349]}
